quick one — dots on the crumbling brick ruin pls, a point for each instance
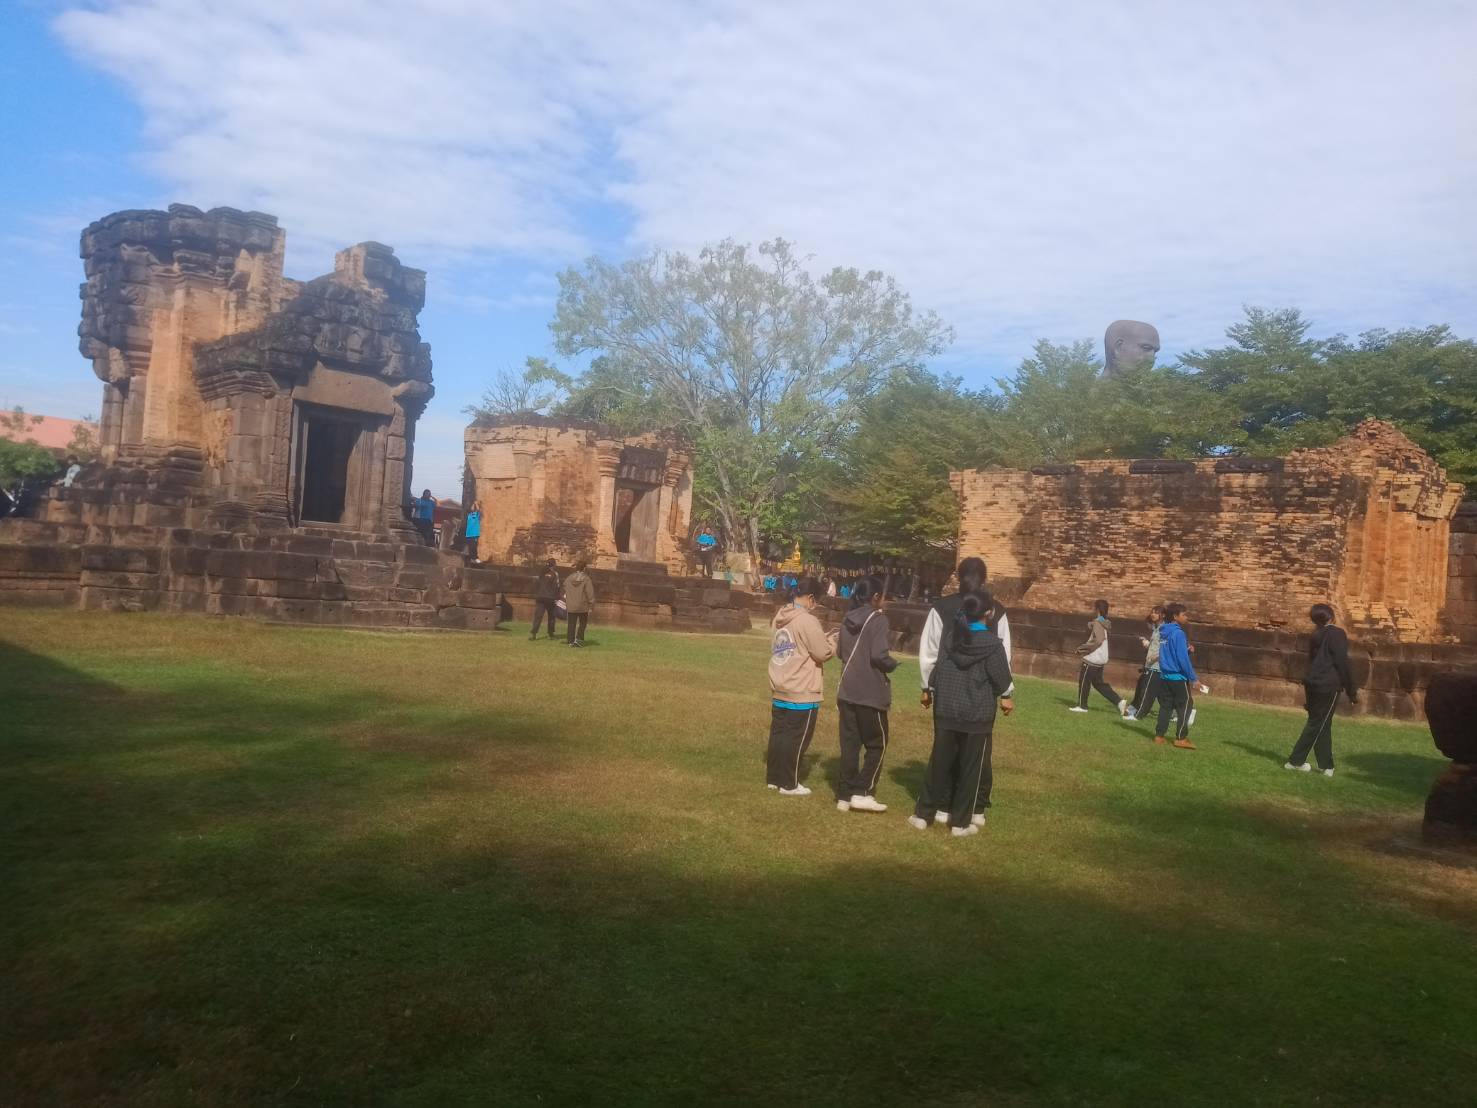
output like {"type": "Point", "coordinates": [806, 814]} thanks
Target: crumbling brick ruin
{"type": "Point", "coordinates": [568, 489]}
{"type": "Point", "coordinates": [258, 434]}
{"type": "Point", "coordinates": [1363, 524]}
{"type": "Point", "coordinates": [232, 389]}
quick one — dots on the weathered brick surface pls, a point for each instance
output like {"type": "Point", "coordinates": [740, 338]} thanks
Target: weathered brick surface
{"type": "Point", "coordinates": [1363, 525]}
{"type": "Point", "coordinates": [1461, 588]}
{"type": "Point", "coordinates": [553, 488]}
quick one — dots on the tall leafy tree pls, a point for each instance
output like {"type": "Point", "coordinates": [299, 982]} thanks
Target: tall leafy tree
{"type": "Point", "coordinates": [762, 363]}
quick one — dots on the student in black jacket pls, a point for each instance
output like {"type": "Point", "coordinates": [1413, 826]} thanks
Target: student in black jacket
{"type": "Point", "coordinates": [1328, 675]}
{"type": "Point", "coordinates": [545, 599]}
{"type": "Point", "coordinates": [863, 697]}
{"type": "Point", "coordinates": [970, 675]}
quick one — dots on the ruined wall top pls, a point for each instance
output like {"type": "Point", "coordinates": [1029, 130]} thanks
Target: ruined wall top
{"type": "Point", "coordinates": [506, 428]}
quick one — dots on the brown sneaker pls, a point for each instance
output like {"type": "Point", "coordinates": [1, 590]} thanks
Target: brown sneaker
{"type": "Point", "coordinates": [1158, 740]}
{"type": "Point", "coordinates": [1184, 744]}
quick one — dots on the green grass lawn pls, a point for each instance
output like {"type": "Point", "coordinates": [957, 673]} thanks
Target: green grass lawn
{"type": "Point", "coordinates": [244, 863]}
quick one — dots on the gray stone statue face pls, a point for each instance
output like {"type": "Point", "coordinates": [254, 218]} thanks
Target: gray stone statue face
{"type": "Point", "coordinates": [1128, 343]}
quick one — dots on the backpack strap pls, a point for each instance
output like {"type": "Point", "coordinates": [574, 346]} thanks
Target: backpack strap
{"type": "Point", "coordinates": [847, 664]}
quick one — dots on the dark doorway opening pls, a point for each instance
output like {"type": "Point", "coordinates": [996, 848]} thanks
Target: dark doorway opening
{"type": "Point", "coordinates": [626, 501]}
{"type": "Point", "coordinates": [328, 447]}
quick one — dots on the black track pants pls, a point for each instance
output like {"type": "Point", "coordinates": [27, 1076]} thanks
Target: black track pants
{"type": "Point", "coordinates": [1317, 733]}
{"type": "Point", "coordinates": [1175, 700]}
{"type": "Point", "coordinates": [1092, 678]}
{"type": "Point", "coordinates": [953, 776]}
{"type": "Point", "coordinates": [574, 628]}
{"type": "Point", "coordinates": [862, 728]}
{"type": "Point", "coordinates": [790, 732]}
{"type": "Point", "coordinates": [1146, 693]}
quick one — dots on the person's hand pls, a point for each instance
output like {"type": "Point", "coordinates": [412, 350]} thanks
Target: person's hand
{"type": "Point", "coordinates": [1144, 642]}
{"type": "Point", "coordinates": [1007, 705]}
{"type": "Point", "coordinates": [1204, 690]}
{"type": "Point", "coordinates": [926, 699]}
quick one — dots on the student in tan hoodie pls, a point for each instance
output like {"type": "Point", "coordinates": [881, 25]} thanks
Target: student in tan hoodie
{"type": "Point", "coordinates": [799, 647]}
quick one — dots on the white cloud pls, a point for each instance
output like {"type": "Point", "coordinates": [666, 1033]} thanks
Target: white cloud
{"type": "Point", "coordinates": [1025, 168]}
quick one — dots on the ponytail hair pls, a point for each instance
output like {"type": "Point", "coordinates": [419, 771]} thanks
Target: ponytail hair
{"type": "Point", "coordinates": [975, 606]}
{"type": "Point", "coordinates": [865, 590]}
{"type": "Point", "coordinates": [805, 586]}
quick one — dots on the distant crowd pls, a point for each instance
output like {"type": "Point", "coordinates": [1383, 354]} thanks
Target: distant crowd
{"type": "Point", "coordinates": [964, 668]}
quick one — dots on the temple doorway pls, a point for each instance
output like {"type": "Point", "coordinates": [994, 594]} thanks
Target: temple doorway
{"type": "Point", "coordinates": [325, 473]}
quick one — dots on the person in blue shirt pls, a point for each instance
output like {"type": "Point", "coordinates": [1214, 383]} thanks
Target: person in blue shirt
{"type": "Point", "coordinates": [707, 550]}
{"type": "Point", "coordinates": [1177, 672]}
{"type": "Point", "coordinates": [422, 514]}
{"type": "Point", "coordinates": [473, 531]}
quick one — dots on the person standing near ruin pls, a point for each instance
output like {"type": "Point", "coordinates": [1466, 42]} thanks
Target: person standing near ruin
{"type": "Point", "coordinates": [423, 515]}
{"type": "Point", "coordinates": [579, 600]}
{"type": "Point", "coordinates": [863, 698]}
{"type": "Point", "coordinates": [798, 648]}
{"type": "Point", "coordinates": [1147, 692]}
{"type": "Point", "coordinates": [1328, 675]}
{"type": "Point", "coordinates": [472, 531]}
{"type": "Point", "coordinates": [545, 599]}
{"type": "Point", "coordinates": [971, 575]}
{"type": "Point", "coordinates": [1094, 659]}
{"type": "Point", "coordinates": [1177, 693]}
{"type": "Point", "coordinates": [969, 676]}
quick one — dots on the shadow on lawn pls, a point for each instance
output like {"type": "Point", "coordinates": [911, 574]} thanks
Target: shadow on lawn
{"type": "Point", "coordinates": [245, 918]}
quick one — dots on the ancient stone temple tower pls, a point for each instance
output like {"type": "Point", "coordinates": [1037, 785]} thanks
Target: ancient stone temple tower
{"type": "Point", "coordinates": [231, 389]}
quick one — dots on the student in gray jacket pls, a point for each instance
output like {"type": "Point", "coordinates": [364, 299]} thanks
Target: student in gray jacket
{"type": "Point", "coordinates": [863, 697]}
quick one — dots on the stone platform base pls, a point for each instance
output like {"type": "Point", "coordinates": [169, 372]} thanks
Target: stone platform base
{"type": "Point", "coordinates": [318, 576]}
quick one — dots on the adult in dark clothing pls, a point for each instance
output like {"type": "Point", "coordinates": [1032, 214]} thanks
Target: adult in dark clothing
{"type": "Point", "coordinates": [1328, 675]}
{"type": "Point", "coordinates": [970, 675]}
{"type": "Point", "coordinates": [545, 599]}
{"type": "Point", "coordinates": [864, 696]}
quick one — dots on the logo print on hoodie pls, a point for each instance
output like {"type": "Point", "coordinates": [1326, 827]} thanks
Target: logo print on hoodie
{"type": "Point", "coordinates": [784, 646]}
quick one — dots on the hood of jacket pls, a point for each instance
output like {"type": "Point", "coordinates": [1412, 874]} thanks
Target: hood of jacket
{"type": "Point", "coordinates": [980, 646]}
{"type": "Point", "coordinates": [788, 614]}
{"type": "Point", "coordinates": [857, 618]}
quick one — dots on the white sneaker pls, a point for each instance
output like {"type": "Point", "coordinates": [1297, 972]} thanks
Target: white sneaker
{"type": "Point", "coordinates": [917, 823]}
{"type": "Point", "coordinates": [771, 786]}
{"type": "Point", "coordinates": [1123, 707]}
{"type": "Point", "coordinates": [1076, 709]}
{"type": "Point", "coordinates": [1328, 773]}
{"type": "Point", "coordinates": [1305, 768]}
{"type": "Point", "coordinates": [843, 805]}
{"type": "Point", "coordinates": [941, 817]}
{"type": "Point", "coordinates": [1131, 714]}
{"type": "Point", "coordinates": [866, 804]}
{"type": "Point", "coordinates": [961, 832]}
{"type": "Point", "coordinates": [798, 790]}
{"type": "Point", "coordinates": [978, 819]}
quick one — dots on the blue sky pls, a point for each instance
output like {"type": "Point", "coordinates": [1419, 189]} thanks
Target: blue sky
{"type": "Point", "coordinates": [1027, 170]}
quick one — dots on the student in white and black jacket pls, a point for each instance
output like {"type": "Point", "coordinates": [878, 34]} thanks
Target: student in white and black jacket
{"type": "Point", "coordinates": [969, 676]}
{"type": "Point", "coordinates": [972, 573]}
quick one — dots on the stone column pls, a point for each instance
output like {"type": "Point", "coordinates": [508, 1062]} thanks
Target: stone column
{"type": "Point", "coordinates": [607, 465]}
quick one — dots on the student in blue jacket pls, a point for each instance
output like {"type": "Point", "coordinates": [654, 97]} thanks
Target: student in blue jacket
{"type": "Point", "coordinates": [1177, 672]}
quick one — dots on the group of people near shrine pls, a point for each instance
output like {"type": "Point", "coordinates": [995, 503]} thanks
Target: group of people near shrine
{"type": "Point", "coordinates": [964, 668]}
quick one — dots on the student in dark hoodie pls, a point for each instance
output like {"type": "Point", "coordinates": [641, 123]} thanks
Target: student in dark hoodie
{"type": "Point", "coordinates": [863, 697]}
{"type": "Point", "coordinates": [1328, 675]}
{"type": "Point", "coordinates": [545, 598]}
{"type": "Point", "coordinates": [799, 646]}
{"type": "Point", "coordinates": [1094, 658]}
{"type": "Point", "coordinates": [970, 675]}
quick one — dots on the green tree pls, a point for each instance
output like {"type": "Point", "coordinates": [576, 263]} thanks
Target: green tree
{"type": "Point", "coordinates": [21, 457]}
{"type": "Point", "coordinates": [761, 363]}
{"type": "Point", "coordinates": [890, 482]}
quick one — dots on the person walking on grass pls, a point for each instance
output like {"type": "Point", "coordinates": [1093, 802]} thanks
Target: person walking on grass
{"type": "Point", "coordinates": [1094, 658]}
{"type": "Point", "coordinates": [1177, 693]}
{"type": "Point", "coordinates": [1328, 675]}
{"type": "Point", "coordinates": [545, 599]}
{"type": "Point", "coordinates": [969, 676]}
{"type": "Point", "coordinates": [1146, 693]}
{"type": "Point", "coordinates": [863, 698]}
{"type": "Point", "coordinates": [798, 648]}
{"type": "Point", "coordinates": [579, 599]}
